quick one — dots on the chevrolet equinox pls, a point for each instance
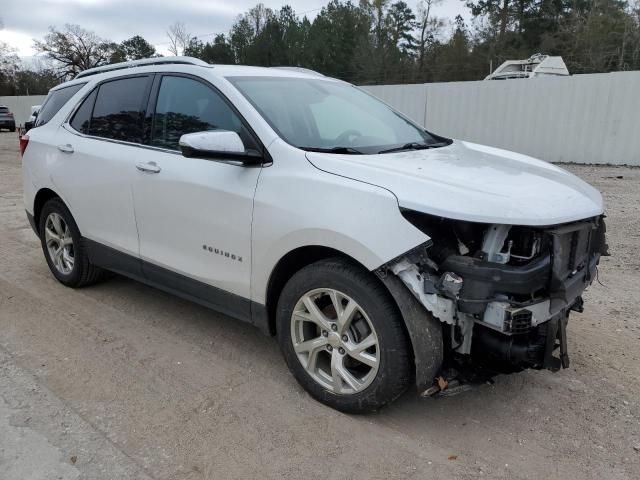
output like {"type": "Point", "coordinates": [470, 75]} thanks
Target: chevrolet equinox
{"type": "Point", "coordinates": [380, 254]}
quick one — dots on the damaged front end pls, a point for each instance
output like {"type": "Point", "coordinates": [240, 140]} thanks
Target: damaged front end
{"type": "Point", "coordinates": [502, 293]}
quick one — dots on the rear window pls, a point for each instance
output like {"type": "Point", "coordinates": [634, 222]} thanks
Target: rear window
{"type": "Point", "coordinates": [4, 110]}
{"type": "Point", "coordinates": [55, 101]}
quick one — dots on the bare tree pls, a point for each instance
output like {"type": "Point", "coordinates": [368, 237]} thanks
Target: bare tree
{"type": "Point", "coordinates": [74, 49]}
{"type": "Point", "coordinates": [179, 38]}
{"type": "Point", "coordinates": [259, 16]}
{"type": "Point", "coordinates": [428, 27]}
{"type": "Point", "coordinates": [9, 65]}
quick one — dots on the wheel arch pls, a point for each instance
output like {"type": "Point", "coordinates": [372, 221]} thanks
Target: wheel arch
{"type": "Point", "coordinates": [287, 266]}
{"type": "Point", "coordinates": [42, 197]}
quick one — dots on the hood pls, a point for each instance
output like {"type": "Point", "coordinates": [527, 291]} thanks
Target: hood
{"type": "Point", "coordinates": [472, 182]}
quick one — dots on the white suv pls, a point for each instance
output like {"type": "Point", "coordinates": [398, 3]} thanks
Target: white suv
{"type": "Point", "coordinates": [380, 254]}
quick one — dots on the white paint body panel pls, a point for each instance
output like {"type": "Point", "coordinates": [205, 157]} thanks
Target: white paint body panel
{"type": "Point", "coordinates": [297, 205]}
{"type": "Point", "coordinates": [191, 203]}
{"type": "Point", "coordinates": [466, 181]}
{"type": "Point", "coordinates": [96, 181]}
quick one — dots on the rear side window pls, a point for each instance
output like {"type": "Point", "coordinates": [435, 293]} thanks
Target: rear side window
{"type": "Point", "coordinates": [119, 109]}
{"type": "Point", "coordinates": [81, 121]}
{"type": "Point", "coordinates": [55, 101]}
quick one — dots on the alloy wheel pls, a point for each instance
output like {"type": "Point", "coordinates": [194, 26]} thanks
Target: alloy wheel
{"type": "Point", "coordinates": [335, 341]}
{"type": "Point", "coordinates": [59, 243]}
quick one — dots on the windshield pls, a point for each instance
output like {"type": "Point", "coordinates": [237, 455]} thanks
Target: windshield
{"type": "Point", "coordinates": [322, 115]}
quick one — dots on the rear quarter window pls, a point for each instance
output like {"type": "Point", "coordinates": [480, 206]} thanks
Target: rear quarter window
{"type": "Point", "coordinates": [81, 120]}
{"type": "Point", "coordinates": [55, 101]}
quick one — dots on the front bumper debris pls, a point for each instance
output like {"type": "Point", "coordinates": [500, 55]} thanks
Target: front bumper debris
{"type": "Point", "coordinates": [507, 316]}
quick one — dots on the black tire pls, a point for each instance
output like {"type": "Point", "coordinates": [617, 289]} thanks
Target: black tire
{"type": "Point", "coordinates": [394, 371]}
{"type": "Point", "coordinates": [83, 272]}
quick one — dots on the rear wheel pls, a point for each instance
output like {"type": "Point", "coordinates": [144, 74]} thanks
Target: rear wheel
{"type": "Point", "coordinates": [63, 248]}
{"type": "Point", "coordinates": [343, 337]}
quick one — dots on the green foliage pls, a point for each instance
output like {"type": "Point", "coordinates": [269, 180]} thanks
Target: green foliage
{"type": "Point", "coordinates": [135, 48]}
{"type": "Point", "coordinates": [377, 41]}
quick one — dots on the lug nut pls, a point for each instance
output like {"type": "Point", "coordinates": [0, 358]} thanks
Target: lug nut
{"type": "Point", "coordinates": [345, 338]}
{"type": "Point", "coordinates": [325, 333]}
{"type": "Point", "coordinates": [341, 350]}
{"type": "Point", "coordinates": [329, 347]}
{"type": "Point", "coordinates": [334, 327]}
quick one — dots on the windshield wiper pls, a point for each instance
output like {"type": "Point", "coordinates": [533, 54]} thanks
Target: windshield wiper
{"type": "Point", "coordinates": [414, 146]}
{"type": "Point", "coordinates": [340, 150]}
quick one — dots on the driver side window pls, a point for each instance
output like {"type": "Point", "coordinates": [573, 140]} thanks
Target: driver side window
{"type": "Point", "coordinates": [184, 106]}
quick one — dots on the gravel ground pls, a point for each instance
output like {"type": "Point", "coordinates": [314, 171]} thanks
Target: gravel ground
{"type": "Point", "coordinates": [123, 381]}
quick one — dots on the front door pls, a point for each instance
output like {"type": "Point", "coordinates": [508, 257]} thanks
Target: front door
{"type": "Point", "coordinates": [193, 215]}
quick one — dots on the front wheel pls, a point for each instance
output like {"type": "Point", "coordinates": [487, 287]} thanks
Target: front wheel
{"type": "Point", "coordinates": [342, 337]}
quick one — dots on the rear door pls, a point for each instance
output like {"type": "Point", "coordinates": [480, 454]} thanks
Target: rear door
{"type": "Point", "coordinates": [194, 215]}
{"type": "Point", "coordinates": [98, 150]}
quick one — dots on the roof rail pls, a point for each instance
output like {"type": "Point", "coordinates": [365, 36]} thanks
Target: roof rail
{"type": "Point", "coordinates": [301, 70]}
{"type": "Point", "coordinates": [142, 63]}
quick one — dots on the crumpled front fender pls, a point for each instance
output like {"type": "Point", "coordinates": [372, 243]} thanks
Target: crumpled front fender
{"type": "Point", "coordinates": [424, 330]}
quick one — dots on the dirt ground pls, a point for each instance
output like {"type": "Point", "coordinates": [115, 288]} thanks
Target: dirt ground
{"type": "Point", "coordinates": [122, 381]}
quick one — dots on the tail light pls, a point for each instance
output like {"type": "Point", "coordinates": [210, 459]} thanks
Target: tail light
{"type": "Point", "coordinates": [24, 141]}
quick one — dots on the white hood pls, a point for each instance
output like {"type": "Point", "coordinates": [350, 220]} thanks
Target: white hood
{"type": "Point", "coordinates": [467, 181]}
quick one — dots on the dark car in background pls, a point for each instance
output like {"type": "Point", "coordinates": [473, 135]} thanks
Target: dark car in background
{"type": "Point", "coordinates": [6, 119]}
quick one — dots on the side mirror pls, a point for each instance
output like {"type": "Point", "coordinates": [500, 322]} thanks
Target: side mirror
{"type": "Point", "coordinates": [218, 145]}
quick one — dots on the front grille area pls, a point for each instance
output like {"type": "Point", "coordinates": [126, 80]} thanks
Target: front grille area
{"type": "Point", "coordinates": [576, 248]}
{"type": "Point", "coordinates": [518, 322]}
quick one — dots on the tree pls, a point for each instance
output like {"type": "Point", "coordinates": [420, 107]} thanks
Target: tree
{"type": "Point", "coordinates": [136, 48]}
{"type": "Point", "coordinates": [179, 38]}
{"type": "Point", "coordinates": [74, 49]}
{"type": "Point", "coordinates": [35, 81]}
{"type": "Point", "coordinates": [9, 66]}
{"type": "Point", "coordinates": [258, 16]}
{"type": "Point", "coordinates": [402, 23]}
{"type": "Point", "coordinates": [337, 36]}
{"type": "Point", "coordinates": [428, 28]}
{"type": "Point", "coordinates": [242, 34]}
{"type": "Point", "coordinates": [219, 51]}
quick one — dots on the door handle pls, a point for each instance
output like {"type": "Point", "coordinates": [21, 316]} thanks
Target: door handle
{"type": "Point", "coordinates": [67, 148]}
{"type": "Point", "coordinates": [148, 167]}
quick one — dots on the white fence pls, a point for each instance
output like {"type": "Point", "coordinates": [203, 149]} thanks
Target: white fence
{"type": "Point", "coordinates": [582, 119]}
{"type": "Point", "coordinates": [21, 106]}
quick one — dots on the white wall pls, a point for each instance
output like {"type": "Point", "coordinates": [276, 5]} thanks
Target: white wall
{"type": "Point", "coordinates": [21, 106]}
{"type": "Point", "coordinates": [582, 119]}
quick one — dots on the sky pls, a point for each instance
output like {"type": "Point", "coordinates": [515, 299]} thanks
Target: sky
{"type": "Point", "coordinates": [118, 20]}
